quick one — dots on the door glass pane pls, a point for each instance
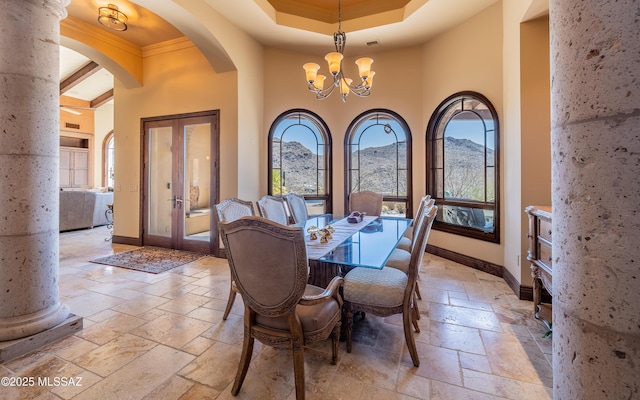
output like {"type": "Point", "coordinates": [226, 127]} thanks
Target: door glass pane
{"type": "Point", "coordinates": [159, 190]}
{"type": "Point", "coordinates": [197, 183]}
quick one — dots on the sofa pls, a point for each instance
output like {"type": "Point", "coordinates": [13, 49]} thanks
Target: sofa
{"type": "Point", "coordinates": [80, 209]}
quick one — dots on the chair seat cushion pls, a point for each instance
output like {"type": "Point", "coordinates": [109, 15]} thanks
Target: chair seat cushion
{"type": "Point", "coordinates": [375, 287]}
{"type": "Point", "coordinates": [404, 244]}
{"type": "Point", "coordinates": [409, 233]}
{"type": "Point", "coordinates": [313, 318]}
{"type": "Point", "coordinates": [399, 259]}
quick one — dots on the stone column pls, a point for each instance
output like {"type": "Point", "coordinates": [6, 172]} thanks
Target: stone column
{"type": "Point", "coordinates": [29, 158]}
{"type": "Point", "coordinates": [595, 115]}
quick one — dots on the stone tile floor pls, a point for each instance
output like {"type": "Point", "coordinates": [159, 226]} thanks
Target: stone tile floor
{"type": "Point", "coordinates": [162, 336]}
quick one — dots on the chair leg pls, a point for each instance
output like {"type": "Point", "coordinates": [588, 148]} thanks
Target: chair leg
{"type": "Point", "coordinates": [335, 339]}
{"type": "Point", "coordinates": [415, 316]}
{"type": "Point", "coordinates": [418, 291]}
{"type": "Point", "coordinates": [298, 366]}
{"type": "Point", "coordinates": [232, 298]}
{"type": "Point", "coordinates": [408, 335]}
{"type": "Point", "coordinates": [415, 306]}
{"type": "Point", "coordinates": [245, 359]}
{"type": "Point", "coordinates": [349, 316]}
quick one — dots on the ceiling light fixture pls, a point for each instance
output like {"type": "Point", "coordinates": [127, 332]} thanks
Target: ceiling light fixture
{"type": "Point", "coordinates": [111, 17]}
{"type": "Point", "coordinates": [334, 60]}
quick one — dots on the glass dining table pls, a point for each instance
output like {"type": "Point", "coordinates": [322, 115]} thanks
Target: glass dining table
{"type": "Point", "coordinates": [367, 244]}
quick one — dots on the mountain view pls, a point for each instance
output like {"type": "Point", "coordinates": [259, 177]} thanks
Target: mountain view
{"type": "Point", "coordinates": [378, 168]}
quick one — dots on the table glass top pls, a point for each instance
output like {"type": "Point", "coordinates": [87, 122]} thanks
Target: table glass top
{"type": "Point", "coordinates": [370, 246]}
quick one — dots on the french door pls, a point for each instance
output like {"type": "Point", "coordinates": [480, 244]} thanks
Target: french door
{"type": "Point", "coordinates": [180, 181]}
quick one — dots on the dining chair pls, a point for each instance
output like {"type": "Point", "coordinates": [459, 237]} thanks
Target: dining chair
{"type": "Point", "coordinates": [229, 210]}
{"type": "Point", "coordinates": [388, 291]}
{"type": "Point", "coordinates": [407, 239]}
{"type": "Point", "coordinates": [274, 208]}
{"type": "Point", "coordinates": [400, 257]}
{"type": "Point", "coordinates": [269, 265]}
{"type": "Point", "coordinates": [366, 201]}
{"type": "Point", "coordinates": [297, 207]}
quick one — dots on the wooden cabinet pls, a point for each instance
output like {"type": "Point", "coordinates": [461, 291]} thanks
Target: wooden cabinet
{"type": "Point", "coordinates": [540, 237]}
{"type": "Point", "coordinates": [74, 167]}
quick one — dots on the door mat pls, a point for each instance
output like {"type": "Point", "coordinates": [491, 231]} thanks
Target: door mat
{"type": "Point", "coordinates": [154, 260]}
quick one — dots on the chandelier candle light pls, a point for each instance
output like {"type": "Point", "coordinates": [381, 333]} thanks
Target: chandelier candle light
{"type": "Point", "coordinates": [334, 61]}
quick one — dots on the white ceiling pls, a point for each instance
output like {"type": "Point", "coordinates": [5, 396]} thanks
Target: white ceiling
{"type": "Point", "coordinates": [420, 20]}
{"type": "Point", "coordinates": [91, 87]}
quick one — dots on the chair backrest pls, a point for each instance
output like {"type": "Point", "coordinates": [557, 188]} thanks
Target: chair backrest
{"type": "Point", "coordinates": [231, 209]}
{"type": "Point", "coordinates": [298, 208]}
{"type": "Point", "coordinates": [366, 201]}
{"type": "Point", "coordinates": [268, 263]}
{"type": "Point", "coordinates": [423, 212]}
{"type": "Point", "coordinates": [423, 202]}
{"type": "Point", "coordinates": [273, 208]}
{"type": "Point", "coordinates": [418, 249]}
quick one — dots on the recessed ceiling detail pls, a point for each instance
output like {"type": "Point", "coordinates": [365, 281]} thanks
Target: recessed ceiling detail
{"type": "Point", "coordinates": [367, 13]}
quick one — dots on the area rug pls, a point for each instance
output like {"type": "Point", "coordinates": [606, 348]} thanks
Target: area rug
{"type": "Point", "coordinates": [154, 260]}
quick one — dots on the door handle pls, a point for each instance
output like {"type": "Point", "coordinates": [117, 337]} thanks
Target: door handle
{"type": "Point", "coordinates": [176, 201]}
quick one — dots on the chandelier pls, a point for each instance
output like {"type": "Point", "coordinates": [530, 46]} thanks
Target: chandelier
{"type": "Point", "coordinates": [112, 18]}
{"type": "Point", "coordinates": [315, 81]}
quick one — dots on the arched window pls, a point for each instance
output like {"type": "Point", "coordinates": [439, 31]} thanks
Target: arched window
{"type": "Point", "coordinates": [108, 164]}
{"type": "Point", "coordinates": [462, 168]}
{"type": "Point", "coordinates": [378, 158]}
{"type": "Point", "coordinates": [300, 159]}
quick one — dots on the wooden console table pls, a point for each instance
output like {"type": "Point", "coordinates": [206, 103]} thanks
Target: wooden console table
{"type": "Point", "coordinates": [539, 254]}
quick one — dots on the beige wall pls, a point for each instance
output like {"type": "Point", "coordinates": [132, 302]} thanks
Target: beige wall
{"type": "Point", "coordinates": [536, 130]}
{"type": "Point", "coordinates": [396, 87]}
{"type": "Point", "coordinates": [178, 79]}
{"type": "Point", "coordinates": [514, 167]}
{"type": "Point", "coordinates": [468, 57]}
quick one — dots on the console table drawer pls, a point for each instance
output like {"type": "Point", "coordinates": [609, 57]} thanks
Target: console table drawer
{"type": "Point", "coordinates": [544, 229]}
{"type": "Point", "coordinates": [544, 255]}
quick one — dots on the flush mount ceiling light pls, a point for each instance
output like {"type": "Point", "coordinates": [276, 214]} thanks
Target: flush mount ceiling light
{"type": "Point", "coordinates": [111, 17]}
{"type": "Point", "coordinates": [334, 60]}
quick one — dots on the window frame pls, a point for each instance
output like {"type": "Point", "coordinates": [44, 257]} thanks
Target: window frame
{"type": "Point", "coordinates": [349, 134]}
{"type": "Point", "coordinates": [325, 134]}
{"type": "Point", "coordinates": [433, 148]}
{"type": "Point", "coordinates": [106, 156]}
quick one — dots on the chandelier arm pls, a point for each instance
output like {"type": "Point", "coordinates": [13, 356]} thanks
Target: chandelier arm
{"type": "Point", "coordinates": [321, 94]}
{"type": "Point", "coordinates": [360, 87]}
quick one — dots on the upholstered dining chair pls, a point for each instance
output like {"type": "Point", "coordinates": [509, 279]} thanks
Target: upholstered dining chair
{"type": "Point", "coordinates": [401, 255]}
{"type": "Point", "coordinates": [298, 208]}
{"type": "Point", "coordinates": [274, 208]}
{"type": "Point", "coordinates": [407, 238]}
{"type": "Point", "coordinates": [229, 210]}
{"type": "Point", "coordinates": [269, 265]}
{"type": "Point", "coordinates": [366, 201]}
{"type": "Point", "coordinates": [388, 291]}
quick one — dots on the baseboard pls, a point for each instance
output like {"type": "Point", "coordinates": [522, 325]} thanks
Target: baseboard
{"type": "Point", "coordinates": [523, 292]}
{"type": "Point", "coordinates": [13, 349]}
{"type": "Point", "coordinates": [126, 240]}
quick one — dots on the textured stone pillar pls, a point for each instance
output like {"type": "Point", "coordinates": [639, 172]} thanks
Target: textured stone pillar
{"type": "Point", "coordinates": [595, 113]}
{"type": "Point", "coordinates": [29, 158]}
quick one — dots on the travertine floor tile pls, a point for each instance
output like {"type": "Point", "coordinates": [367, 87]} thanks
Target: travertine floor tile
{"type": "Point", "coordinates": [456, 337]}
{"type": "Point", "coordinates": [141, 376]}
{"type": "Point", "coordinates": [162, 337]}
